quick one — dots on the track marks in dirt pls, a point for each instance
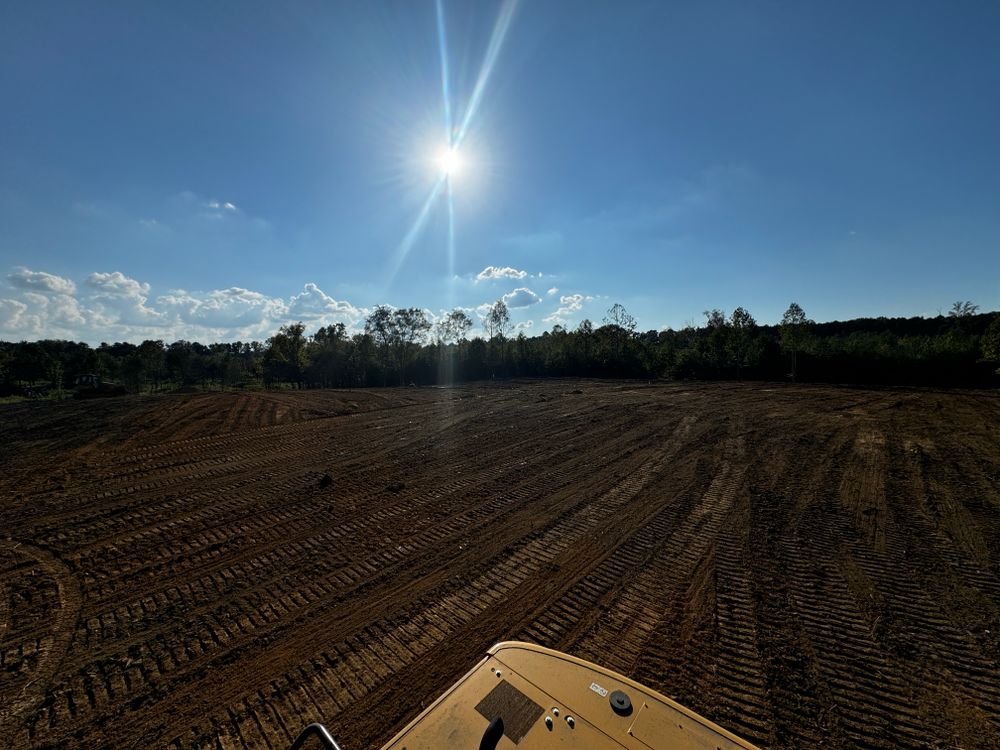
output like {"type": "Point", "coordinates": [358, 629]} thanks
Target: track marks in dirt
{"type": "Point", "coordinates": [806, 566]}
{"type": "Point", "coordinates": [37, 587]}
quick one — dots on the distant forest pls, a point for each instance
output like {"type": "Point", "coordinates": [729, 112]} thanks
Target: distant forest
{"type": "Point", "coordinates": [401, 346]}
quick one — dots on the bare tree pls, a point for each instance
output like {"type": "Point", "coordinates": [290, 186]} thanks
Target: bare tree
{"type": "Point", "coordinates": [622, 327]}
{"type": "Point", "coordinates": [619, 316]}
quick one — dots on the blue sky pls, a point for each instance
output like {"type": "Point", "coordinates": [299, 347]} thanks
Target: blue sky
{"type": "Point", "coordinates": [214, 170]}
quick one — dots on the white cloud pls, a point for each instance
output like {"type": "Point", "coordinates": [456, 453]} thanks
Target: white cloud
{"type": "Point", "coordinates": [40, 281]}
{"type": "Point", "coordinates": [111, 306]}
{"type": "Point", "coordinates": [552, 291]}
{"type": "Point", "coordinates": [47, 307]}
{"type": "Point", "coordinates": [525, 325]}
{"type": "Point", "coordinates": [220, 205]}
{"type": "Point", "coordinates": [312, 303]}
{"type": "Point", "coordinates": [495, 272]}
{"type": "Point", "coordinates": [569, 304]}
{"type": "Point", "coordinates": [117, 284]}
{"type": "Point", "coordinates": [14, 321]}
{"type": "Point", "coordinates": [521, 297]}
{"type": "Point", "coordinates": [572, 302]}
{"type": "Point", "coordinates": [187, 204]}
{"type": "Point", "coordinates": [242, 310]}
{"type": "Point", "coordinates": [119, 300]}
{"type": "Point", "coordinates": [61, 310]}
{"type": "Point", "coordinates": [37, 316]}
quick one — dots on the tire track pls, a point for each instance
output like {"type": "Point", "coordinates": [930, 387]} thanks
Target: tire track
{"type": "Point", "coordinates": [51, 647]}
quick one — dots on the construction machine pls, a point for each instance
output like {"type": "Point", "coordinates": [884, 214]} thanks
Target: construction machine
{"type": "Point", "coordinates": [526, 697]}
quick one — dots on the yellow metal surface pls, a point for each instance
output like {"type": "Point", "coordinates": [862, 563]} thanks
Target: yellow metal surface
{"type": "Point", "coordinates": [574, 697]}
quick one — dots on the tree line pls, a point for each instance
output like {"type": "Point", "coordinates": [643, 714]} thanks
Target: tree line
{"type": "Point", "coordinates": [401, 346]}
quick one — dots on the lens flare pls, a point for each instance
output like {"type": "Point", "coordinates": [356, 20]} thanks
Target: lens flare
{"type": "Point", "coordinates": [449, 162]}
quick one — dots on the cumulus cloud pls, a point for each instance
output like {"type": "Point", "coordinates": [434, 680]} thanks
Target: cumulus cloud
{"type": "Point", "coordinates": [118, 299]}
{"type": "Point", "coordinates": [37, 316]}
{"type": "Point", "coordinates": [233, 308]}
{"type": "Point", "coordinates": [39, 281]}
{"type": "Point", "coordinates": [13, 315]}
{"type": "Point", "coordinates": [111, 306]}
{"type": "Point", "coordinates": [117, 284]}
{"type": "Point", "coordinates": [552, 291]}
{"type": "Point", "coordinates": [568, 304]}
{"type": "Point", "coordinates": [61, 310]}
{"type": "Point", "coordinates": [47, 307]}
{"type": "Point", "coordinates": [572, 302]}
{"type": "Point", "coordinates": [524, 325]}
{"type": "Point", "coordinates": [312, 303]}
{"type": "Point", "coordinates": [521, 297]}
{"type": "Point", "coordinates": [495, 272]}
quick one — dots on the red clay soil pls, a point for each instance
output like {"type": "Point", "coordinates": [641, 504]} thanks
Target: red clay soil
{"type": "Point", "coordinates": [807, 566]}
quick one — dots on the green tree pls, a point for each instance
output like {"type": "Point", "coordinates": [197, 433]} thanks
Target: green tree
{"type": "Point", "coordinates": [498, 327]}
{"type": "Point", "coordinates": [411, 326]}
{"type": "Point", "coordinates": [285, 356]}
{"type": "Point", "coordinates": [396, 335]}
{"type": "Point", "coordinates": [30, 363]}
{"type": "Point", "coordinates": [961, 315]}
{"type": "Point", "coordinates": [379, 326]}
{"type": "Point", "coordinates": [742, 343]}
{"type": "Point", "coordinates": [452, 330]}
{"type": "Point", "coordinates": [454, 326]}
{"type": "Point", "coordinates": [794, 333]}
{"type": "Point", "coordinates": [132, 372]}
{"type": "Point", "coordinates": [497, 321]}
{"type": "Point", "coordinates": [152, 355]}
{"type": "Point", "coordinates": [327, 355]}
{"type": "Point", "coordinates": [717, 344]}
{"type": "Point", "coordinates": [990, 342]}
{"type": "Point", "coordinates": [361, 359]}
{"type": "Point", "coordinates": [962, 309]}
{"type": "Point", "coordinates": [585, 335]}
{"type": "Point", "coordinates": [56, 375]}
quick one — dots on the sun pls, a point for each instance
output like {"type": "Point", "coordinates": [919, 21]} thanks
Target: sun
{"type": "Point", "coordinates": [449, 162]}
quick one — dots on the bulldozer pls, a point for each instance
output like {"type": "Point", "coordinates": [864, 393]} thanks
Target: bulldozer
{"type": "Point", "coordinates": [529, 697]}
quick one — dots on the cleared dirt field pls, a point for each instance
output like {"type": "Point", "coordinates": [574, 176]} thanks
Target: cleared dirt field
{"type": "Point", "coordinates": [807, 566]}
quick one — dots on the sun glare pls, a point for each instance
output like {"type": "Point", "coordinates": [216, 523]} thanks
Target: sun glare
{"type": "Point", "coordinates": [449, 162]}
